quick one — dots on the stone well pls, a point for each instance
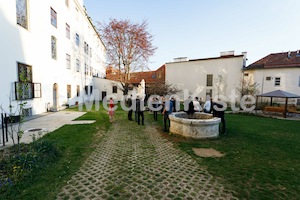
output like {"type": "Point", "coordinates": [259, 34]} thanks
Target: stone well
{"type": "Point", "coordinates": [197, 126]}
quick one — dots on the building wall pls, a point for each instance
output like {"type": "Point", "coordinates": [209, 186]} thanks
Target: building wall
{"type": "Point", "coordinates": [105, 85]}
{"type": "Point", "coordinates": [32, 47]}
{"type": "Point", "coordinates": [192, 75]}
{"type": "Point", "coordinates": [289, 79]}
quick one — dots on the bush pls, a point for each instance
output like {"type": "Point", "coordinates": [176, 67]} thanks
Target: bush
{"type": "Point", "coordinates": [33, 157]}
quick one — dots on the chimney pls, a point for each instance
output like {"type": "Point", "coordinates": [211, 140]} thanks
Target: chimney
{"type": "Point", "coordinates": [244, 54]}
{"type": "Point", "coordinates": [244, 59]}
{"type": "Point", "coordinates": [181, 59]}
{"type": "Point", "coordinates": [226, 53]}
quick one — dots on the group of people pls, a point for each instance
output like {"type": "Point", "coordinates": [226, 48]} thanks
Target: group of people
{"type": "Point", "coordinates": [138, 109]}
{"type": "Point", "coordinates": [216, 108]}
{"type": "Point", "coordinates": [167, 107]}
{"type": "Point", "coordinates": [197, 105]}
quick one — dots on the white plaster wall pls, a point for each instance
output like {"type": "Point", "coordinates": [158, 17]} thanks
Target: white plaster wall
{"type": "Point", "coordinates": [33, 47]}
{"type": "Point", "coordinates": [105, 85]}
{"type": "Point", "coordinates": [289, 79]}
{"type": "Point", "coordinates": [11, 50]}
{"type": "Point", "coordinates": [191, 75]}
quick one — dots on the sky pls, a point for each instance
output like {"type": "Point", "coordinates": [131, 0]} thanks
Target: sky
{"type": "Point", "coordinates": [204, 28]}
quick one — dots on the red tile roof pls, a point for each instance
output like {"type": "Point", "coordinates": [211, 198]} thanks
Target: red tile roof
{"type": "Point", "coordinates": [157, 76]}
{"type": "Point", "coordinates": [277, 60]}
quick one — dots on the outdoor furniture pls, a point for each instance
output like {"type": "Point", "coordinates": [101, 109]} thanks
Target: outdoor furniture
{"type": "Point", "coordinates": [273, 109]}
{"type": "Point", "coordinates": [278, 94]}
{"type": "Point", "coordinates": [293, 110]}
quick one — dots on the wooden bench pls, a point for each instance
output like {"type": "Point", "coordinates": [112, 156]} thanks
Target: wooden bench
{"type": "Point", "coordinates": [293, 109]}
{"type": "Point", "coordinates": [280, 109]}
{"type": "Point", "coordinates": [274, 109]}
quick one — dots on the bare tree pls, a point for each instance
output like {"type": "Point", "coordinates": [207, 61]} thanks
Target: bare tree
{"type": "Point", "coordinates": [128, 47]}
{"type": "Point", "coordinates": [220, 84]}
{"type": "Point", "coordinates": [162, 89]}
{"type": "Point", "coordinates": [248, 87]}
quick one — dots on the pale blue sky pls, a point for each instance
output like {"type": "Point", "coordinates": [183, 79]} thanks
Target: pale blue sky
{"type": "Point", "coordinates": [203, 28]}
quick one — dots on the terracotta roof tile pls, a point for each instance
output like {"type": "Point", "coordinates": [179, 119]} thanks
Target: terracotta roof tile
{"type": "Point", "coordinates": [157, 76]}
{"type": "Point", "coordinates": [277, 60]}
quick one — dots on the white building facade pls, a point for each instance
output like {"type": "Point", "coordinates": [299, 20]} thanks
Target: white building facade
{"type": "Point", "coordinates": [55, 45]}
{"type": "Point", "coordinates": [208, 76]}
{"type": "Point", "coordinates": [277, 71]}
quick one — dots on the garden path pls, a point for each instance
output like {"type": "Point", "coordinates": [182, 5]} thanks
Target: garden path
{"type": "Point", "coordinates": [136, 162]}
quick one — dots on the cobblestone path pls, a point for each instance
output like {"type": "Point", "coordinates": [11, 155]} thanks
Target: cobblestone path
{"type": "Point", "coordinates": [137, 163]}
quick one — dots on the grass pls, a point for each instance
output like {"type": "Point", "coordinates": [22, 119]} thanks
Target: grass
{"type": "Point", "coordinates": [76, 142]}
{"type": "Point", "coordinates": [261, 161]}
{"type": "Point", "coordinates": [262, 156]}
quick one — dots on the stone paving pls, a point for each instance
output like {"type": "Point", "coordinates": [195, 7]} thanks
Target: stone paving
{"type": "Point", "coordinates": [137, 163]}
{"type": "Point", "coordinates": [45, 123]}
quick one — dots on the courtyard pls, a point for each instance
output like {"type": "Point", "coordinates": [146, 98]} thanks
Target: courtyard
{"type": "Point", "coordinates": [123, 160]}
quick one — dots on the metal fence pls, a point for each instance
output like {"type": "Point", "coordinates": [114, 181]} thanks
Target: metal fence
{"type": "Point", "coordinates": [4, 134]}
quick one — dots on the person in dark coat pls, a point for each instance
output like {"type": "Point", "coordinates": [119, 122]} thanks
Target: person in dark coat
{"type": "Point", "coordinates": [189, 104]}
{"type": "Point", "coordinates": [166, 112]}
{"type": "Point", "coordinates": [218, 111]}
{"type": "Point", "coordinates": [140, 107]}
{"type": "Point", "coordinates": [129, 104]}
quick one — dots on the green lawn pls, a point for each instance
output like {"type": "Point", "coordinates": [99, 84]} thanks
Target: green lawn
{"type": "Point", "coordinates": [76, 142]}
{"type": "Point", "coordinates": [261, 161]}
{"type": "Point", "coordinates": [262, 156]}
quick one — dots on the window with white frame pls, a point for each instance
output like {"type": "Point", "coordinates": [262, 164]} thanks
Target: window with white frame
{"type": "Point", "coordinates": [24, 86]}
{"type": "Point", "coordinates": [86, 69]}
{"type": "Point", "coordinates": [277, 81]}
{"type": "Point", "coordinates": [68, 91]}
{"type": "Point", "coordinates": [77, 65]}
{"type": "Point", "coordinates": [77, 39]}
{"type": "Point", "coordinates": [115, 89]}
{"type": "Point", "coordinates": [21, 9]}
{"type": "Point", "coordinates": [85, 46]}
{"type": "Point", "coordinates": [53, 48]}
{"type": "Point", "coordinates": [209, 80]}
{"type": "Point", "coordinates": [86, 88]}
{"type": "Point", "coordinates": [268, 78]}
{"type": "Point", "coordinates": [209, 92]}
{"type": "Point", "coordinates": [68, 31]}
{"type": "Point", "coordinates": [78, 91]}
{"type": "Point", "coordinates": [53, 17]}
{"type": "Point", "coordinates": [68, 61]}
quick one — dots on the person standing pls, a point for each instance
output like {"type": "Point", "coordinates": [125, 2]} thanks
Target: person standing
{"type": "Point", "coordinates": [140, 107]}
{"type": "Point", "coordinates": [189, 106]}
{"type": "Point", "coordinates": [173, 100]}
{"type": "Point", "coordinates": [207, 106]}
{"type": "Point", "coordinates": [196, 104]}
{"type": "Point", "coordinates": [111, 111]}
{"type": "Point", "coordinates": [218, 111]}
{"type": "Point", "coordinates": [129, 104]}
{"type": "Point", "coordinates": [155, 106]}
{"type": "Point", "coordinates": [201, 102]}
{"type": "Point", "coordinates": [166, 112]}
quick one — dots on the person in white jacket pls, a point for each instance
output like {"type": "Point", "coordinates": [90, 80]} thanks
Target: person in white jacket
{"type": "Point", "coordinates": [207, 106]}
{"type": "Point", "coordinates": [197, 106]}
